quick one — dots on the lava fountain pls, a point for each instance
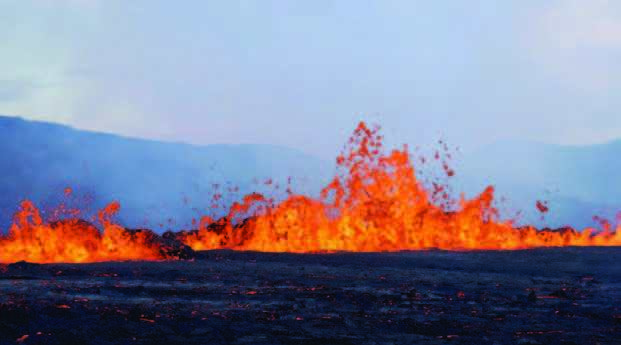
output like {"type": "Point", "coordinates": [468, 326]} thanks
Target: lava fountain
{"type": "Point", "coordinates": [74, 240]}
{"type": "Point", "coordinates": [378, 204]}
{"type": "Point", "coordinates": [375, 204]}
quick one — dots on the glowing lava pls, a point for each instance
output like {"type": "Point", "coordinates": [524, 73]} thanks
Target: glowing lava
{"type": "Point", "coordinates": [31, 239]}
{"type": "Point", "coordinates": [379, 205]}
{"type": "Point", "coordinates": [376, 204]}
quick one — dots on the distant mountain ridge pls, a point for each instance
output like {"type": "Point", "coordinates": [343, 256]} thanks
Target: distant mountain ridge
{"type": "Point", "coordinates": [153, 180]}
{"type": "Point", "coordinates": [157, 181]}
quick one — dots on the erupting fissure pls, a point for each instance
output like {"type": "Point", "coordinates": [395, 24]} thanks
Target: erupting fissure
{"type": "Point", "coordinates": [73, 240]}
{"type": "Point", "coordinates": [376, 203]}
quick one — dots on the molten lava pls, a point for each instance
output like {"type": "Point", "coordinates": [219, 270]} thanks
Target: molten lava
{"type": "Point", "coordinates": [375, 204]}
{"type": "Point", "coordinates": [31, 239]}
{"type": "Point", "coordinates": [378, 204]}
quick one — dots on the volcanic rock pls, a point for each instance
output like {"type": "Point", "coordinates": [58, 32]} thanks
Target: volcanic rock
{"type": "Point", "coordinates": [169, 246]}
{"type": "Point", "coordinates": [231, 235]}
{"type": "Point", "coordinates": [264, 298]}
{"type": "Point", "coordinates": [23, 270]}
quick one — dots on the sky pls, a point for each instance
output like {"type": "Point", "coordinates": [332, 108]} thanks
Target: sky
{"type": "Point", "coordinates": [303, 73]}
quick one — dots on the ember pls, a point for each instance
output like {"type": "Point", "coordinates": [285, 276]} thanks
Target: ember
{"type": "Point", "coordinates": [375, 204]}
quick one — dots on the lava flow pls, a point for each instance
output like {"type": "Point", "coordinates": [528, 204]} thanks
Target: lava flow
{"type": "Point", "coordinates": [375, 204]}
{"type": "Point", "coordinates": [31, 239]}
{"type": "Point", "coordinates": [378, 204]}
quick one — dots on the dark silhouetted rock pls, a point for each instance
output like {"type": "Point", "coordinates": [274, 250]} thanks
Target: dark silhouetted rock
{"type": "Point", "coordinates": [169, 246]}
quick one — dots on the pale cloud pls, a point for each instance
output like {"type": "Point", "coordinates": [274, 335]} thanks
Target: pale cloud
{"type": "Point", "coordinates": [37, 52]}
{"type": "Point", "coordinates": [12, 90]}
{"type": "Point", "coordinates": [80, 3]}
{"type": "Point", "coordinates": [577, 41]}
{"type": "Point", "coordinates": [583, 24]}
{"type": "Point", "coordinates": [214, 71]}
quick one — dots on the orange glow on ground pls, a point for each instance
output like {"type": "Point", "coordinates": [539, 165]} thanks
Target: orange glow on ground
{"type": "Point", "coordinates": [376, 204]}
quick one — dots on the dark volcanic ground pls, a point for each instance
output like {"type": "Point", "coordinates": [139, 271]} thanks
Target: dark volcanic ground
{"type": "Point", "coordinates": [542, 296]}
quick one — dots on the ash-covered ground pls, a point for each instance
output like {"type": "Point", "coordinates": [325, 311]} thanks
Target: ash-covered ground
{"type": "Point", "coordinates": [541, 296]}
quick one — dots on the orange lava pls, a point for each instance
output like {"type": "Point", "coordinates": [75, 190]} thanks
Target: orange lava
{"type": "Point", "coordinates": [379, 205]}
{"type": "Point", "coordinates": [375, 204]}
{"type": "Point", "coordinates": [33, 240]}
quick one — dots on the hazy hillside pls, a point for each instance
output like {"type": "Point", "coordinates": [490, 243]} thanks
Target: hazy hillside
{"type": "Point", "coordinates": [153, 180]}
{"type": "Point", "coordinates": [156, 181]}
{"type": "Point", "coordinates": [578, 181]}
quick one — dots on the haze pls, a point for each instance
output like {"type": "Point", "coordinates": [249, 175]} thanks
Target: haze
{"type": "Point", "coordinates": [301, 74]}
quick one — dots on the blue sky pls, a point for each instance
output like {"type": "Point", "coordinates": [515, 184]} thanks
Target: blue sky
{"type": "Point", "coordinates": [301, 74]}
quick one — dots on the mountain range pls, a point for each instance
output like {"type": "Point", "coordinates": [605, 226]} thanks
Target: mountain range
{"type": "Point", "coordinates": [165, 185]}
{"type": "Point", "coordinates": [154, 181]}
{"type": "Point", "coordinates": [576, 182]}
